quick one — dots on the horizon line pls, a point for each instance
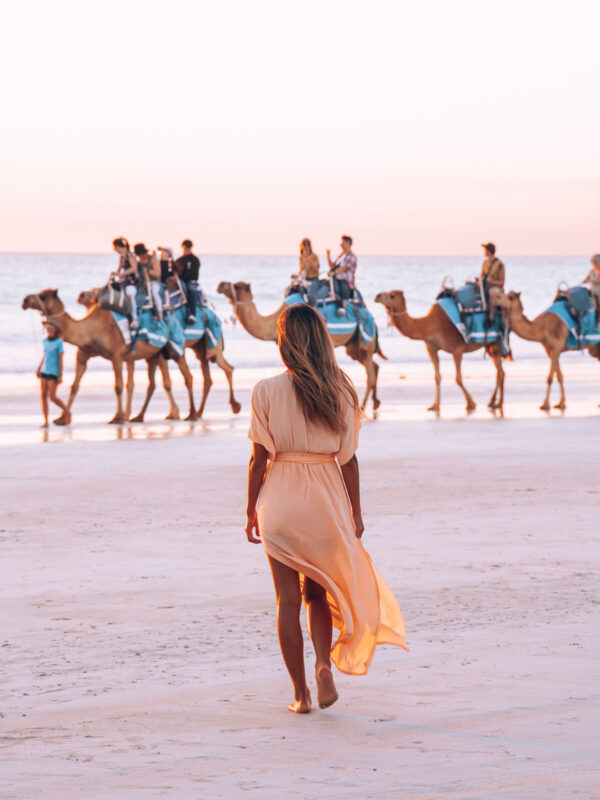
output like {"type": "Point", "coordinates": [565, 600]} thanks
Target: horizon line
{"type": "Point", "coordinates": [295, 255]}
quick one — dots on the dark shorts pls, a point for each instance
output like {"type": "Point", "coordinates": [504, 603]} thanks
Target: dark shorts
{"type": "Point", "coordinates": [48, 377]}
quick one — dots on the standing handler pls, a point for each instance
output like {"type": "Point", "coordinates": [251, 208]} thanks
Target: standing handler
{"type": "Point", "coordinates": [50, 373]}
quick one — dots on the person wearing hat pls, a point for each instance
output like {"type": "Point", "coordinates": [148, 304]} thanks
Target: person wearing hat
{"type": "Point", "coordinates": [187, 267]}
{"type": "Point", "coordinates": [492, 277]}
{"type": "Point", "coordinates": [149, 271]}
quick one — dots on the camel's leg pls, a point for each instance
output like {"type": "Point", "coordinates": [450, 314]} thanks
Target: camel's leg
{"type": "Point", "coordinates": [365, 358]}
{"type": "Point", "coordinates": [152, 364]}
{"type": "Point", "coordinates": [206, 378]}
{"type": "Point", "coordinates": [457, 356]}
{"type": "Point", "coordinates": [368, 364]}
{"type": "Point", "coordinates": [228, 370]}
{"type": "Point", "coordinates": [557, 370]}
{"type": "Point", "coordinates": [117, 365]}
{"type": "Point", "coordinates": [189, 385]}
{"type": "Point", "coordinates": [546, 404]}
{"type": "Point", "coordinates": [163, 365]}
{"type": "Point", "coordinates": [435, 360]}
{"type": "Point", "coordinates": [497, 399]}
{"type": "Point", "coordinates": [130, 366]}
{"type": "Point", "coordinates": [376, 400]}
{"type": "Point", "coordinates": [80, 368]}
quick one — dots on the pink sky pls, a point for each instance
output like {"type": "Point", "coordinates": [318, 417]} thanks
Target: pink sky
{"type": "Point", "coordinates": [417, 128]}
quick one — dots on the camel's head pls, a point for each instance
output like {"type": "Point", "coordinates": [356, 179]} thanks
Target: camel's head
{"type": "Point", "coordinates": [46, 302]}
{"type": "Point", "coordinates": [88, 298]}
{"type": "Point", "coordinates": [393, 301]}
{"type": "Point", "coordinates": [236, 292]}
{"type": "Point", "coordinates": [511, 302]}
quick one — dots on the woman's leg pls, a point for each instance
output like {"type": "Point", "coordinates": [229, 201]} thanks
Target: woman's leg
{"type": "Point", "coordinates": [44, 396]}
{"type": "Point", "coordinates": [158, 304]}
{"type": "Point", "coordinates": [131, 292]}
{"type": "Point", "coordinates": [287, 592]}
{"type": "Point", "coordinates": [320, 629]}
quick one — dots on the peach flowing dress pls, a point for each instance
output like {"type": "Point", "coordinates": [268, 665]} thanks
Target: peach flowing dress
{"type": "Point", "coordinates": [305, 521]}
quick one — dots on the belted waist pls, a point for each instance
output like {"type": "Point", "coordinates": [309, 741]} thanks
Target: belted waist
{"type": "Point", "coordinates": [306, 458]}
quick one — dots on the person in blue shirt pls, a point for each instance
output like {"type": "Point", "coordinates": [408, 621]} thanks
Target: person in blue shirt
{"type": "Point", "coordinates": [50, 373]}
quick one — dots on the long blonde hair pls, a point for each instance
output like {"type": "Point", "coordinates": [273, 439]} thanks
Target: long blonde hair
{"type": "Point", "coordinates": [322, 389]}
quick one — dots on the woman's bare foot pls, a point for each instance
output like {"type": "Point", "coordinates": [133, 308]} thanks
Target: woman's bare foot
{"type": "Point", "coordinates": [326, 691]}
{"type": "Point", "coordinates": [302, 705]}
{"type": "Point", "coordinates": [45, 425]}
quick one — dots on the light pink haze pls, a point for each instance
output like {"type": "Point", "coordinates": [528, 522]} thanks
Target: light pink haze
{"type": "Point", "coordinates": [419, 128]}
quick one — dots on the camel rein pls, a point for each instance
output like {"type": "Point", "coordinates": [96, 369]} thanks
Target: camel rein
{"type": "Point", "coordinates": [43, 309]}
{"type": "Point", "coordinates": [237, 302]}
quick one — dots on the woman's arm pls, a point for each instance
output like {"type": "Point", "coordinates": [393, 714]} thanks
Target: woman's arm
{"type": "Point", "coordinates": [60, 368]}
{"type": "Point", "coordinates": [256, 473]}
{"type": "Point", "coordinates": [589, 276]}
{"type": "Point", "coordinates": [39, 369]}
{"type": "Point", "coordinates": [352, 483]}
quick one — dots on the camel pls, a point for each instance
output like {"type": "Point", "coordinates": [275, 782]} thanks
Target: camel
{"type": "Point", "coordinates": [207, 355]}
{"type": "Point", "coordinates": [551, 332]}
{"type": "Point", "coordinates": [204, 353]}
{"type": "Point", "coordinates": [265, 328]}
{"type": "Point", "coordinates": [97, 334]}
{"type": "Point", "coordinates": [439, 333]}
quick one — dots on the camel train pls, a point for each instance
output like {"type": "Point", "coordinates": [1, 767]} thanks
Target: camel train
{"type": "Point", "coordinates": [98, 334]}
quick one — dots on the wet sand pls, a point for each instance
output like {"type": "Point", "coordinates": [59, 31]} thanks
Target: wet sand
{"type": "Point", "coordinates": [139, 649]}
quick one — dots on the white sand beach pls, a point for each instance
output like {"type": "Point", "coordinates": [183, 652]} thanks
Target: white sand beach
{"type": "Point", "coordinates": [139, 648]}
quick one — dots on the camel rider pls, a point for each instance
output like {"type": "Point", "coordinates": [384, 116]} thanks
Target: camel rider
{"type": "Point", "coordinates": [492, 278]}
{"type": "Point", "coordinates": [309, 272]}
{"type": "Point", "coordinates": [592, 279]}
{"type": "Point", "coordinates": [165, 255]}
{"type": "Point", "coordinates": [149, 271]}
{"type": "Point", "coordinates": [127, 274]}
{"type": "Point", "coordinates": [187, 267]}
{"type": "Point", "coordinates": [343, 271]}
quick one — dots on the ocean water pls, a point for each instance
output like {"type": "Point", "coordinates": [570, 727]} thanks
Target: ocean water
{"type": "Point", "coordinates": [420, 278]}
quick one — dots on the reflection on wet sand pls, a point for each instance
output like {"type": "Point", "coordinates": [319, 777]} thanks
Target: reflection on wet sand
{"type": "Point", "coordinates": [110, 433]}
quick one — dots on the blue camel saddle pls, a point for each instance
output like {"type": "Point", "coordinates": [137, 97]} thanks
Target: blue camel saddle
{"type": "Point", "coordinates": [578, 309]}
{"type": "Point", "coordinates": [467, 310]}
{"type": "Point", "coordinates": [357, 316]}
{"type": "Point", "coordinates": [207, 322]}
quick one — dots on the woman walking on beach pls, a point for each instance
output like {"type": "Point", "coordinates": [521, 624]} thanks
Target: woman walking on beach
{"type": "Point", "coordinates": [50, 373]}
{"type": "Point", "coordinates": [305, 508]}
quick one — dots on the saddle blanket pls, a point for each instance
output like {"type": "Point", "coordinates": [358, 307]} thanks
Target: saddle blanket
{"type": "Point", "coordinates": [471, 325]}
{"type": "Point", "coordinates": [356, 316]}
{"type": "Point", "coordinates": [151, 330]}
{"type": "Point", "coordinates": [123, 325]}
{"type": "Point", "coordinates": [207, 324]}
{"type": "Point", "coordinates": [582, 331]}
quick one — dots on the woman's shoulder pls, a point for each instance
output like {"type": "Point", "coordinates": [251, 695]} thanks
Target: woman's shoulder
{"type": "Point", "coordinates": [273, 384]}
